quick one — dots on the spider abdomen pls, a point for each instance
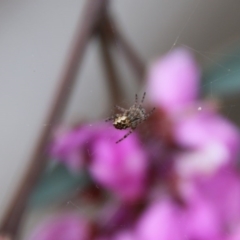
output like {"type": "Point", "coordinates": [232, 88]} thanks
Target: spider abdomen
{"type": "Point", "coordinates": [130, 118]}
{"type": "Point", "coordinates": [121, 122]}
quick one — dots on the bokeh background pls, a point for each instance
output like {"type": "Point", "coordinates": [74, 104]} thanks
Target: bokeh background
{"type": "Point", "coordinates": [35, 38]}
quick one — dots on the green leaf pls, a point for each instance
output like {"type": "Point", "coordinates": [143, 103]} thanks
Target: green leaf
{"type": "Point", "coordinates": [223, 79]}
{"type": "Point", "coordinates": [56, 184]}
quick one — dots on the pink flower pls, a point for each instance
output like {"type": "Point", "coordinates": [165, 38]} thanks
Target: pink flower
{"type": "Point", "coordinates": [167, 219]}
{"type": "Point", "coordinates": [211, 142]}
{"type": "Point", "coordinates": [65, 227]}
{"type": "Point", "coordinates": [173, 81]}
{"type": "Point", "coordinates": [120, 168]}
{"type": "Point", "coordinates": [68, 146]}
{"type": "Point", "coordinates": [201, 219]}
{"type": "Point", "coordinates": [222, 190]}
{"type": "Point", "coordinates": [211, 146]}
{"type": "Point", "coordinates": [210, 211]}
{"type": "Point", "coordinates": [235, 235]}
{"type": "Point", "coordinates": [161, 220]}
{"type": "Point", "coordinates": [213, 204]}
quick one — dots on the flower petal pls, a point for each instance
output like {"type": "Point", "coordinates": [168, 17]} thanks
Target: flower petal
{"type": "Point", "coordinates": [119, 167]}
{"type": "Point", "coordinates": [68, 226]}
{"type": "Point", "coordinates": [223, 191]}
{"type": "Point", "coordinates": [213, 142]}
{"type": "Point", "coordinates": [173, 81]}
{"type": "Point", "coordinates": [160, 221]}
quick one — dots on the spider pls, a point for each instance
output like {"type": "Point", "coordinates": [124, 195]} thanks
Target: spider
{"type": "Point", "coordinates": [130, 118]}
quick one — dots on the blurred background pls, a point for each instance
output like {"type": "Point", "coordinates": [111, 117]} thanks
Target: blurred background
{"type": "Point", "coordinates": [35, 39]}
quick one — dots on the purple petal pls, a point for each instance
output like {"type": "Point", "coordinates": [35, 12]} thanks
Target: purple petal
{"type": "Point", "coordinates": [223, 191]}
{"type": "Point", "coordinates": [201, 219]}
{"type": "Point", "coordinates": [213, 142]}
{"type": "Point", "coordinates": [67, 148]}
{"type": "Point", "coordinates": [120, 167]}
{"type": "Point", "coordinates": [160, 221]}
{"type": "Point", "coordinates": [173, 81]}
{"type": "Point", "coordinates": [70, 147]}
{"type": "Point", "coordinates": [235, 235]}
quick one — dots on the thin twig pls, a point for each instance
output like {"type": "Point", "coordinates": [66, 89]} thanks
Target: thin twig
{"type": "Point", "coordinates": [113, 78]}
{"type": "Point", "coordinates": [11, 221]}
{"type": "Point", "coordinates": [130, 54]}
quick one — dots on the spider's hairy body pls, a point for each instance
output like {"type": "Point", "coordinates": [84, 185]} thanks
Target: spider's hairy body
{"type": "Point", "coordinates": [130, 118]}
{"type": "Point", "coordinates": [121, 122]}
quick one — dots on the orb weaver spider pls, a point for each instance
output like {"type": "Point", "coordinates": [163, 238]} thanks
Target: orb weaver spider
{"type": "Point", "coordinates": [130, 118]}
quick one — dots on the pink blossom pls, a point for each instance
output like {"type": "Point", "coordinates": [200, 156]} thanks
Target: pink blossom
{"type": "Point", "coordinates": [167, 219]}
{"type": "Point", "coordinates": [201, 219]}
{"type": "Point", "coordinates": [71, 147]}
{"type": "Point", "coordinates": [120, 168]}
{"type": "Point", "coordinates": [213, 205]}
{"type": "Point", "coordinates": [68, 147]}
{"type": "Point", "coordinates": [211, 146]}
{"type": "Point", "coordinates": [211, 142]}
{"type": "Point", "coordinates": [67, 226]}
{"type": "Point", "coordinates": [235, 235]}
{"type": "Point", "coordinates": [173, 81]}
{"type": "Point", "coordinates": [161, 220]}
{"type": "Point", "coordinates": [222, 190]}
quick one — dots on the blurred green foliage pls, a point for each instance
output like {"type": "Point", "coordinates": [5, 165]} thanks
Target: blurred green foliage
{"type": "Point", "coordinates": [56, 184]}
{"type": "Point", "coordinates": [222, 79]}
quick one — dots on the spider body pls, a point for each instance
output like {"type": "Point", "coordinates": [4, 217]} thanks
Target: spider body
{"type": "Point", "coordinates": [122, 122]}
{"type": "Point", "coordinates": [130, 118]}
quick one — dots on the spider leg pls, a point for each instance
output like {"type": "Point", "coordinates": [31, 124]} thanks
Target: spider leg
{"type": "Point", "coordinates": [120, 108]}
{"type": "Point", "coordinates": [144, 94]}
{"type": "Point", "coordinates": [109, 119]}
{"type": "Point", "coordinates": [149, 114]}
{"type": "Point", "coordinates": [135, 122]}
{"type": "Point", "coordinates": [136, 99]}
{"type": "Point", "coordinates": [125, 136]}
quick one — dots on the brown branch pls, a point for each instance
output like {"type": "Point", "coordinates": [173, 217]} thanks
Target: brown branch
{"type": "Point", "coordinates": [113, 78]}
{"type": "Point", "coordinates": [12, 219]}
{"type": "Point", "coordinates": [130, 54]}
